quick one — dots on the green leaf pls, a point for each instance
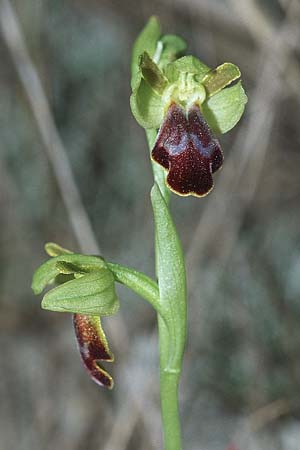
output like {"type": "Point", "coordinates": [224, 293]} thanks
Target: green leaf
{"type": "Point", "coordinates": [93, 294]}
{"type": "Point", "coordinates": [186, 64]}
{"type": "Point", "coordinates": [223, 110]}
{"type": "Point", "coordinates": [172, 48]}
{"type": "Point", "coordinates": [48, 271]}
{"type": "Point", "coordinates": [220, 77]}
{"type": "Point", "coordinates": [145, 42]}
{"type": "Point", "coordinates": [147, 106]}
{"type": "Point", "coordinates": [152, 74]}
{"type": "Point", "coordinates": [171, 278]}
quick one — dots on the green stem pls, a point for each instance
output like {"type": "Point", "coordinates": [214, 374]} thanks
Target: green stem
{"type": "Point", "coordinates": [139, 283]}
{"type": "Point", "coordinates": [170, 410]}
{"type": "Point", "coordinates": [169, 377]}
{"type": "Point", "coordinates": [168, 393]}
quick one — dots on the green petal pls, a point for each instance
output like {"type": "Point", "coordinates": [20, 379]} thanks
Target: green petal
{"type": "Point", "coordinates": [145, 42]}
{"type": "Point", "coordinates": [220, 77]}
{"type": "Point", "coordinates": [93, 293]}
{"type": "Point", "coordinates": [186, 64]}
{"type": "Point", "coordinates": [223, 110]}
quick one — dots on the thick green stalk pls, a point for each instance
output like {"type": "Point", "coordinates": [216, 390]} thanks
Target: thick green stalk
{"type": "Point", "coordinates": [169, 381]}
{"type": "Point", "coordinates": [170, 409]}
{"type": "Point", "coordinates": [170, 352]}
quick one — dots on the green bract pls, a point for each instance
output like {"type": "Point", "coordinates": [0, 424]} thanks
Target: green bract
{"type": "Point", "coordinates": [171, 280]}
{"type": "Point", "coordinates": [161, 75]}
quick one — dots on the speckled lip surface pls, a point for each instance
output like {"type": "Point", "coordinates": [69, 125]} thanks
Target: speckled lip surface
{"type": "Point", "coordinates": [186, 147]}
{"type": "Point", "coordinates": [93, 347]}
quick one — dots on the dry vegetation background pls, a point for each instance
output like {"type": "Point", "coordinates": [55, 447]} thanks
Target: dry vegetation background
{"type": "Point", "coordinates": [74, 169]}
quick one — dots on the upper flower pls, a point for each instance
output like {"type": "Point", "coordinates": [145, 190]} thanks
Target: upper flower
{"type": "Point", "coordinates": [161, 76]}
{"type": "Point", "coordinates": [186, 101]}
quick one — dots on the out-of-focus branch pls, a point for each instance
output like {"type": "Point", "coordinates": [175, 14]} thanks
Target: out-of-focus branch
{"type": "Point", "coordinates": [263, 30]}
{"type": "Point", "coordinates": [249, 151]}
{"type": "Point", "coordinates": [57, 155]}
{"type": "Point", "coordinates": [53, 145]}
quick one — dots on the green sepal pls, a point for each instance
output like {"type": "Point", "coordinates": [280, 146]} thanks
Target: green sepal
{"type": "Point", "coordinates": [48, 271]}
{"type": "Point", "coordinates": [172, 48]}
{"type": "Point", "coordinates": [146, 105]}
{"type": "Point", "coordinates": [92, 294]}
{"type": "Point", "coordinates": [220, 77]}
{"type": "Point", "coordinates": [152, 74]}
{"type": "Point", "coordinates": [171, 279]}
{"type": "Point", "coordinates": [223, 110]}
{"type": "Point", "coordinates": [186, 64]}
{"type": "Point", "coordinates": [145, 42]}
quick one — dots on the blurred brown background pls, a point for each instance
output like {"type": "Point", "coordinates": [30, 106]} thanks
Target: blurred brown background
{"type": "Point", "coordinates": [73, 134]}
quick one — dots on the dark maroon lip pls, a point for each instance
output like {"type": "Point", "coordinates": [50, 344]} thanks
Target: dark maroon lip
{"type": "Point", "coordinates": [187, 149]}
{"type": "Point", "coordinates": [92, 349]}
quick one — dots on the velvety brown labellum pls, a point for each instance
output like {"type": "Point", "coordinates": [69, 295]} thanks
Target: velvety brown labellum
{"type": "Point", "coordinates": [186, 147]}
{"type": "Point", "coordinates": [93, 347]}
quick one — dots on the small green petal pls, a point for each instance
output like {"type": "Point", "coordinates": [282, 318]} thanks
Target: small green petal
{"type": "Point", "coordinates": [220, 77]}
{"type": "Point", "coordinates": [145, 42]}
{"type": "Point", "coordinates": [223, 110]}
{"type": "Point", "coordinates": [53, 249]}
{"type": "Point", "coordinates": [152, 74]}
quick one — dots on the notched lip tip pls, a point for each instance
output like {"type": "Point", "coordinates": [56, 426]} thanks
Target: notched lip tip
{"type": "Point", "coordinates": [111, 359]}
{"type": "Point", "coordinates": [102, 385]}
{"type": "Point", "coordinates": [104, 374]}
{"type": "Point", "coordinates": [191, 193]}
